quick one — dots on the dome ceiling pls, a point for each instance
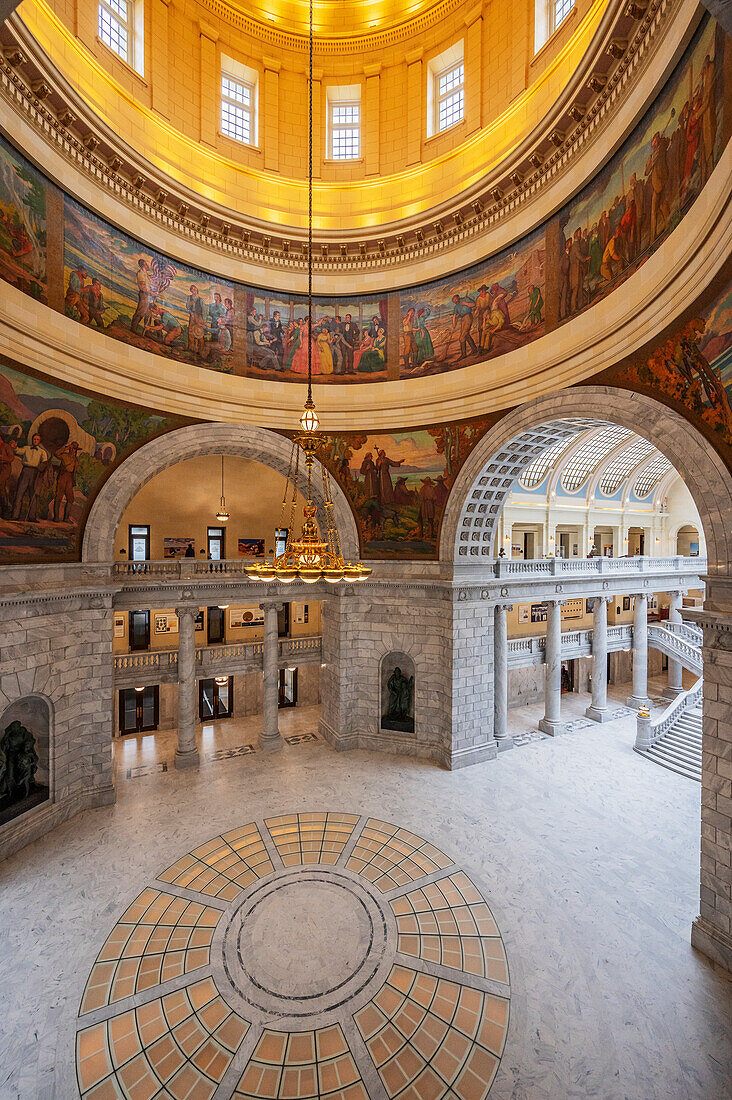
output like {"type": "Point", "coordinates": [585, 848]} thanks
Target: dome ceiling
{"type": "Point", "coordinates": [337, 18]}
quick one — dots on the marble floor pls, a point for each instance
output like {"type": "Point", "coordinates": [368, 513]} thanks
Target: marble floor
{"type": "Point", "coordinates": [166, 944]}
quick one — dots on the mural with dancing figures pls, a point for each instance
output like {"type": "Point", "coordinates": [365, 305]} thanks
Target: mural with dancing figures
{"type": "Point", "coordinates": [57, 447]}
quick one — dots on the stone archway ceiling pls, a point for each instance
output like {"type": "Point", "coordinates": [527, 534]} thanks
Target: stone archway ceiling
{"type": "Point", "coordinates": [626, 38]}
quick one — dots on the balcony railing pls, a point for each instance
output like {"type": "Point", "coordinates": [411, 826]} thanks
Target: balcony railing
{"type": "Point", "coordinates": [217, 658]}
{"type": "Point", "coordinates": [554, 567]}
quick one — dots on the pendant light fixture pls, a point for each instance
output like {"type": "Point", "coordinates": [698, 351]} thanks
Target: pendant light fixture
{"type": "Point", "coordinates": [309, 558]}
{"type": "Point", "coordinates": [222, 515]}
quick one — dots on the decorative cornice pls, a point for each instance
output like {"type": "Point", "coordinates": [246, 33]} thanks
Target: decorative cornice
{"type": "Point", "coordinates": [603, 81]}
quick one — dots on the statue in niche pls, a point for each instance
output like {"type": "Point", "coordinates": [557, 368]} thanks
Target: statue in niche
{"type": "Point", "coordinates": [401, 694]}
{"type": "Point", "coordinates": [18, 762]}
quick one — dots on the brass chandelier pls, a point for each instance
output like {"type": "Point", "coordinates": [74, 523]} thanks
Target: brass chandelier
{"type": "Point", "coordinates": [309, 558]}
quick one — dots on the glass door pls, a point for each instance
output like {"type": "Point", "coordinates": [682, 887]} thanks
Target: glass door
{"type": "Point", "coordinates": [216, 543]}
{"type": "Point", "coordinates": [215, 621]}
{"type": "Point", "coordinates": [216, 698]}
{"type": "Point", "coordinates": [139, 630]}
{"type": "Point", "coordinates": [288, 687]}
{"type": "Point", "coordinates": [138, 709]}
{"type": "Point", "coordinates": [139, 547]}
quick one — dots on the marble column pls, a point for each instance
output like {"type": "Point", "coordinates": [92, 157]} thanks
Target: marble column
{"type": "Point", "coordinates": [500, 676]}
{"type": "Point", "coordinates": [598, 709]}
{"type": "Point", "coordinates": [186, 753]}
{"type": "Point", "coordinates": [639, 698]}
{"type": "Point", "coordinates": [675, 670]}
{"type": "Point", "coordinates": [551, 722]}
{"type": "Point", "coordinates": [271, 740]}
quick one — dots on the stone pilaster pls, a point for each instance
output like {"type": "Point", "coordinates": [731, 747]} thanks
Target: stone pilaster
{"type": "Point", "coordinates": [712, 930]}
{"type": "Point", "coordinates": [639, 698]}
{"type": "Point", "coordinates": [186, 753]}
{"type": "Point", "coordinates": [500, 676]}
{"type": "Point", "coordinates": [598, 709]}
{"type": "Point", "coordinates": [271, 740]}
{"type": "Point", "coordinates": [551, 722]}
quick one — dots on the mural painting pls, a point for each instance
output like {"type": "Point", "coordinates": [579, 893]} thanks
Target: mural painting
{"type": "Point", "coordinates": [56, 449]}
{"type": "Point", "coordinates": [620, 219]}
{"type": "Point", "coordinates": [121, 287]}
{"type": "Point", "coordinates": [474, 315]}
{"type": "Point", "coordinates": [348, 338]}
{"type": "Point", "coordinates": [694, 367]}
{"type": "Point", "coordinates": [398, 483]}
{"type": "Point", "coordinates": [22, 225]}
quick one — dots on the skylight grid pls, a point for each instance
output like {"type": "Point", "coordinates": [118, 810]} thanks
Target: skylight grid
{"type": "Point", "coordinates": [585, 461]}
{"type": "Point", "coordinates": [537, 470]}
{"type": "Point", "coordinates": [617, 471]}
{"type": "Point", "coordinates": [649, 478]}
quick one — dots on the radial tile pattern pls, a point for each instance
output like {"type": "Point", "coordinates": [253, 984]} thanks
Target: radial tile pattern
{"type": "Point", "coordinates": [448, 922]}
{"type": "Point", "coordinates": [389, 856]}
{"type": "Point", "coordinates": [307, 1065]}
{"type": "Point", "coordinates": [312, 955]}
{"type": "Point", "coordinates": [224, 866]}
{"type": "Point", "coordinates": [158, 938]}
{"type": "Point", "coordinates": [179, 1045]}
{"type": "Point", "coordinates": [431, 1038]}
{"type": "Point", "coordinates": [311, 838]}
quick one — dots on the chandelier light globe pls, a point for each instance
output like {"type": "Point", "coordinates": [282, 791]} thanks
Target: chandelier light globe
{"type": "Point", "coordinates": [309, 421]}
{"type": "Point", "coordinates": [222, 515]}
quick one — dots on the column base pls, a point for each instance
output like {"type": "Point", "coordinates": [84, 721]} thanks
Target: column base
{"type": "Point", "coordinates": [672, 692]}
{"type": "Point", "coordinates": [598, 714]}
{"type": "Point", "coordinates": [712, 942]}
{"type": "Point", "coordinates": [551, 726]}
{"type": "Point", "coordinates": [187, 759]}
{"type": "Point", "coordinates": [636, 701]}
{"type": "Point", "coordinates": [270, 742]}
{"type": "Point", "coordinates": [503, 743]}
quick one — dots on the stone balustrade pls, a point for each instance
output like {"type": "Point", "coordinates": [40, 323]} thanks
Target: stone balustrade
{"type": "Point", "coordinates": [161, 666]}
{"type": "Point", "coordinates": [556, 567]}
{"type": "Point", "coordinates": [575, 643]}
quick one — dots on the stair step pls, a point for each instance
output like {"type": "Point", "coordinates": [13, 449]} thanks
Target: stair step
{"type": "Point", "coordinates": [678, 757]}
{"type": "Point", "coordinates": [689, 773]}
{"type": "Point", "coordinates": [681, 739]}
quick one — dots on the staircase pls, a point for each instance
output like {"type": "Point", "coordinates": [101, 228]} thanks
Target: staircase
{"type": "Point", "coordinates": [680, 748]}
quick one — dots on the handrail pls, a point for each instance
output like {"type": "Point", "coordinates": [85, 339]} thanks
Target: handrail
{"type": "Point", "coordinates": [215, 654]}
{"type": "Point", "coordinates": [648, 731]}
{"type": "Point", "coordinates": [674, 645]}
{"type": "Point", "coordinates": [512, 567]}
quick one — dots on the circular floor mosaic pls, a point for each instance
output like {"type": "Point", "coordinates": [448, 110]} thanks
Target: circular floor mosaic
{"type": "Point", "coordinates": [311, 955]}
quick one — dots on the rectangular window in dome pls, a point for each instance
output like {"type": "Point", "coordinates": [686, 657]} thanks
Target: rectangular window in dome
{"type": "Point", "coordinates": [344, 123]}
{"type": "Point", "coordinates": [237, 109]}
{"type": "Point", "coordinates": [449, 97]}
{"type": "Point", "coordinates": [561, 9]}
{"type": "Point", "coordinates": [115, 27]}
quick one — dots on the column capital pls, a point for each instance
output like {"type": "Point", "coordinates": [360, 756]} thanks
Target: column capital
{"type": "Point", "coordinates": [207, 31]}
{"type": "Point", "coordinates": [272, 605]}
{"type": "Point", "coordinates": [372, 70]}
{"type": "Point", "coordinates": [185, 610]}
{"type": "Point", "coordinates": [504, 607]}
{"type": "Point", "coordinates": [271, 64]}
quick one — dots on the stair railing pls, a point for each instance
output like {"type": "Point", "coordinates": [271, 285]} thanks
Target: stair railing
{"type": "Point", "coordinates": [648, 731]}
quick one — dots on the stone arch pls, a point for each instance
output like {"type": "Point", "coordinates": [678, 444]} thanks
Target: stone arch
{"type": "Point", "coordinates": [492, 469]}
{"type": "Point", "coordinates": [35, 711]}
{"type": "Point", "coordinates": [159, 454]}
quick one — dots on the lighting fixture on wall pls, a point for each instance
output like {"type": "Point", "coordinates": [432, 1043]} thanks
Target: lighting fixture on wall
{"type": "Point", "coordinates": [221, 680]}
{"type": "Point", "coordinates": [139, 689]}
{"type": "Point", "coordinates": [222, 515]}
{"type": "Point", "coordinates": [309, 558]}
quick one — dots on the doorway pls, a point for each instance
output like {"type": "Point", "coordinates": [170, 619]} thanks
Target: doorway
{"type": "Point", "coordinates": [216, 537]}
{"type": "Point", "coordinates": [216, 629]}
{"type": "Point", "coordinates": [288, 687]}
{"type": "Point", "coordinates": [215, 698]}
{"type": "Point", "coordinates": [564, 544]}
{"type": "Point", "coordinates": [139, 542]}
{"type": "Point", "coordinates": [528, 545]}
{"type": "Point", "coordinates": [283, 621]}
{"type": "Point", "coordinates": [139, 709]}
{"type": "Point", "coordinates": [139, 631]}
{"type": "Point", "coordinates": [567, 677]}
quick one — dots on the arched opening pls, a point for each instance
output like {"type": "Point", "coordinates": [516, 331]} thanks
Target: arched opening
{"type": "Point", "coordinates": [687, 541]}
{"type": "Point", "coordinates": [164, 503]}
{"type": "Point", "coordinates": [25, 756]}
{"type": "Point", "coordinates": [469, 538]}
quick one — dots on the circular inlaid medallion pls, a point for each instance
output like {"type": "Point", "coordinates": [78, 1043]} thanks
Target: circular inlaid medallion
{"type": "Point", "coordinates": [304, 939]}
{"type": "Point", "coordinates": [319, 955]}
